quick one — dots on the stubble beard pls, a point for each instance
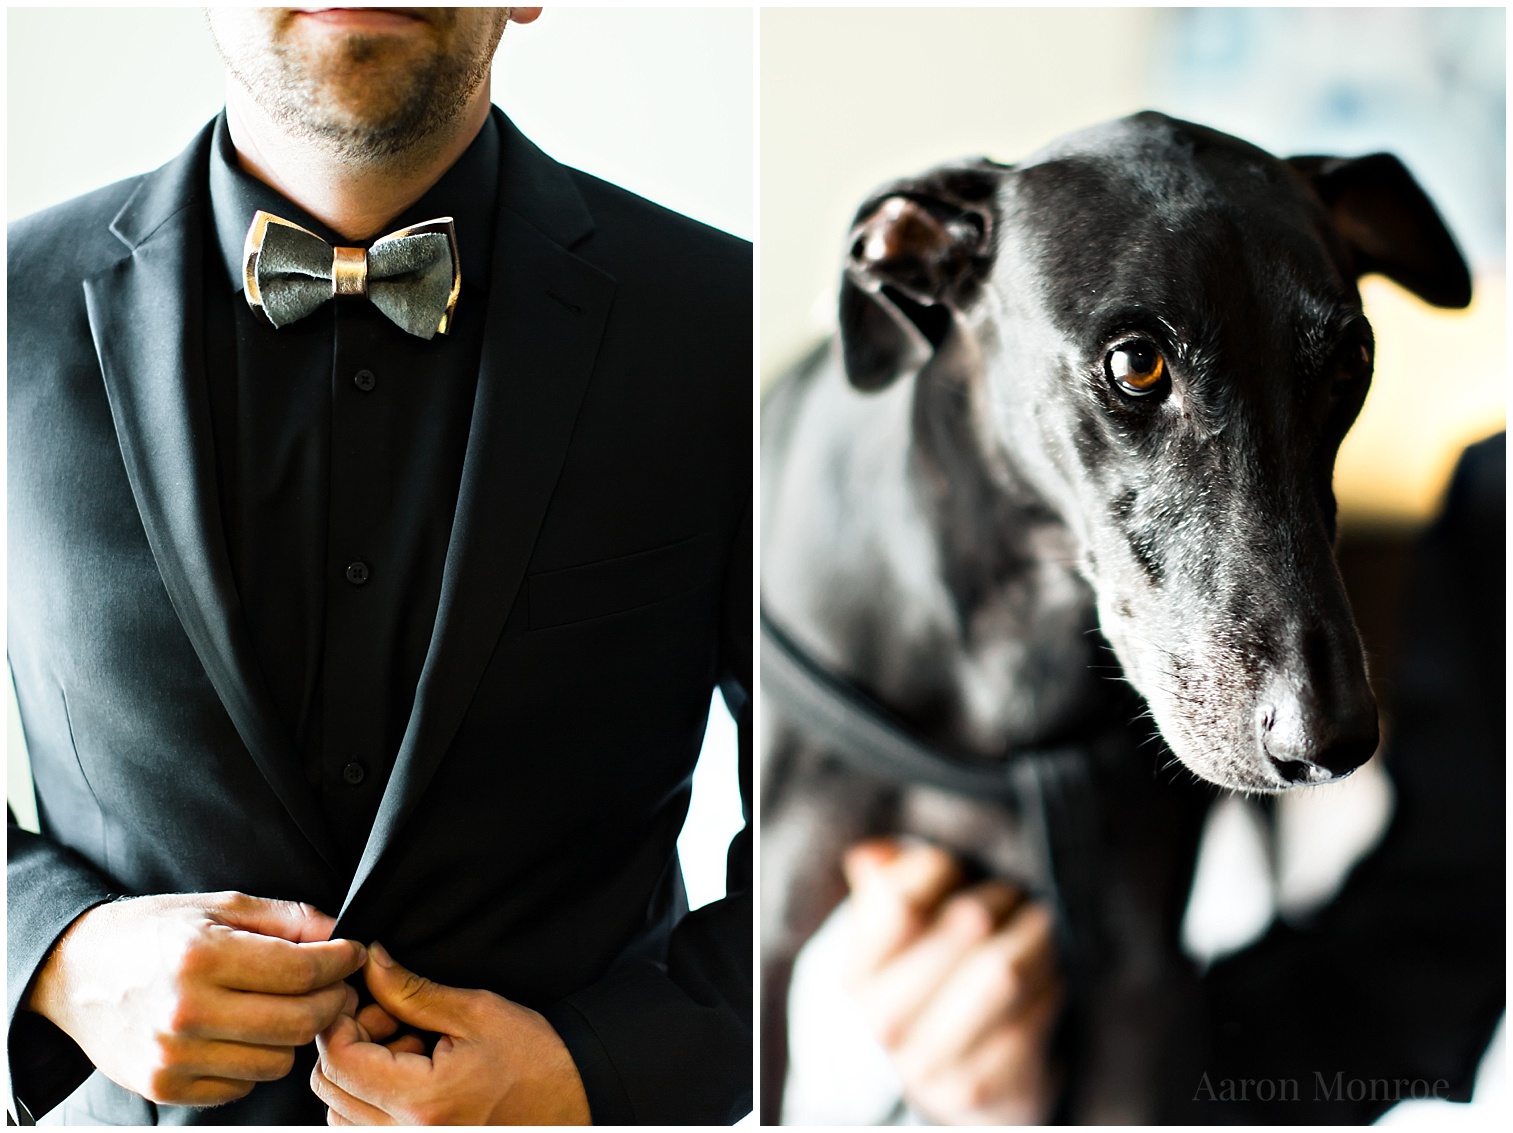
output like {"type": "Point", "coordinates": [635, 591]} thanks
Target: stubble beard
{"type": "Point", "coordinates": [356, 109]}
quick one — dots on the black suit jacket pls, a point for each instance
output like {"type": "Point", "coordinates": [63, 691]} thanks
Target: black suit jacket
{"type": "Point", "coordinates": [597, 587]}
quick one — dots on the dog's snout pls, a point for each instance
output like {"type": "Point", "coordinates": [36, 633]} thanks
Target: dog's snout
{"type": "Point", "coordinates": [1311, 739]}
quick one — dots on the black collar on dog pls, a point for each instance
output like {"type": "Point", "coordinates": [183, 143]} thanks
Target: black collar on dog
{"type": "Point", "coordinates": [1051, 789]}
{"type": "Point", "coordinates": [863, 733]}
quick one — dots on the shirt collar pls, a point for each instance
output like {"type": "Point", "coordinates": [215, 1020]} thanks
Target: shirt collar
{"type": "Point", "coordinates": [465, 192]}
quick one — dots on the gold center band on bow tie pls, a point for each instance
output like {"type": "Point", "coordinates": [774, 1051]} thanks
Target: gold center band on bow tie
{"type": "Point", "coordinates": [349, 272]}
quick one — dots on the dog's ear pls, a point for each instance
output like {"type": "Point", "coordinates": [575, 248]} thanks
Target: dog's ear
{"type": "Point", "coordinates": [918, 251]}
{"type": "Point", "coordinates": [1390, 225]}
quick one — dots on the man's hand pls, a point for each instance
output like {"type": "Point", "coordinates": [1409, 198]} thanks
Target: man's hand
{"type": "Point", "coordinates": [192, 999]}
{"type": "Point", "coordinates": [959, 984]}
{"type": "Point", "coordinates": [496, 1063]}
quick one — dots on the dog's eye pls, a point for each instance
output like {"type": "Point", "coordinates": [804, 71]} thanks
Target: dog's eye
{"type": "Point", "coordinates": [1352, 368]}
{"type": "Point", "coordinates": [1356, 363]}
{"type": "Point", "coordinates": [1136, 367]}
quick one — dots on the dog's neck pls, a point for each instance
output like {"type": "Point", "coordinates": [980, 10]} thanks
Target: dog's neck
{"type": "Point", "coordinates": [992, 528]}
{"type": "Point", "coordinates": [941, 584]}
{"type": "Point", "coordinates": [1025, 617]}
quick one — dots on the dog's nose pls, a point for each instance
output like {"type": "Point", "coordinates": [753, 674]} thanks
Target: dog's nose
{"type": "Point", "coordinates": [1311, 746]}
{"type": "Point", "coordinates": [1316, 720]}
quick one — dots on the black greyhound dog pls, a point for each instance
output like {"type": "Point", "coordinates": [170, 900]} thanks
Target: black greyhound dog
{"type": "Point", "coordinates": [1090, 400]}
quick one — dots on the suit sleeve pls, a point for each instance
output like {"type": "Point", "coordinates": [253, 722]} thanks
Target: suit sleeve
{"type": "Point", "coordinates": [671, 1044]}
{"type": "Point", "coordinates": [48, 888]}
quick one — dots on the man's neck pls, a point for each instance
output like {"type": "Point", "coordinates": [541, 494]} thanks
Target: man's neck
{"type": "Point", "coordinates": [355, 200]}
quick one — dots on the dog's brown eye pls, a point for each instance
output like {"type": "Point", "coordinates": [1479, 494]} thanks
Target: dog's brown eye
{"type": "Point", "coordinates": [1136, 367]}
{"type": "Point", "coordinates": [1353, 366]}
{"type": "Point", "coordinates": [1358, 365]}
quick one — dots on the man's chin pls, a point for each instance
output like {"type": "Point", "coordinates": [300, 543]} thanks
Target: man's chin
{"type": "Point", "coordinates": [359, 83]}
{"type": "Point", "coordinates": [366, 128]}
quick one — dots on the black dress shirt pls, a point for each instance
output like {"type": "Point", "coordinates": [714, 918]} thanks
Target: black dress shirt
{"type": "Point", "coordinates": [340, 441]}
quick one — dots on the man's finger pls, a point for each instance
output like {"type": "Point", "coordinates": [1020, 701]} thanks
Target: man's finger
{"type": "Point", "coordinates": [248, 961]}
{"type": "Point", "coordinates": [230, 1061]}
{"type": "Point", "coordinates": [915, 872]}
{"type": "Point", "coordinates": [895, 890]}
{"type": "Point", "coordinates": [414, 999]}
{"type": "Point", "coordinates": [1012, 1052]}
{"type": "Point", "coordinates": [894, 994]}
{"type": "Point", "coordinates": [367, 1071]}
{"type": "Point", "coordinates": [381, 1027]}
{"type": "Point", "coordinates": [407, 1044]}
{"type": "Point", "coordinates": [294, 921]}
{"type": "Point", "coordinates": [350, 1110]}
{"type": "Point", "coordinates": [213, 1091]}
{"type": "Point", "coordinates": [997, 981]}
{"type": "Point", "coordinates": [275, 1020]}
{"type": "Point", "coordinates": [379, 1024]}
{"type": "Point", "coordinates": [1027, 946]}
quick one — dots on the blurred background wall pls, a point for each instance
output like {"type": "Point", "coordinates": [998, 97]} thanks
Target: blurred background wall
{"type": "Point", "coordinates": [658, 100]}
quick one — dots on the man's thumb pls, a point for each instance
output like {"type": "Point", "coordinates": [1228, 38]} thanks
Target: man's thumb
{"type": "Point", "coordinates": [410, 998]}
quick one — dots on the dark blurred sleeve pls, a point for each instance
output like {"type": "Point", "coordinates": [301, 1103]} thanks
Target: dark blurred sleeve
{"type": "Point", "coordinates": [48, 888]}
{"type": "Point", "coordinates": [671, 1044]}
{"type": "Point", "coordinates": [1402, 977]}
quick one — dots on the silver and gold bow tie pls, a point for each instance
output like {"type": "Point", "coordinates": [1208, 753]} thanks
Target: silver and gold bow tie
{"type": "Point", "coordinates": [412, 276]}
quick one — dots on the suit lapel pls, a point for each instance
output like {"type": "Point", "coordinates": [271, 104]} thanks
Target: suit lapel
{"type": "Point", "coordinates": [546, 313]}
{"type": "Point", "coordinates": [147, 320]}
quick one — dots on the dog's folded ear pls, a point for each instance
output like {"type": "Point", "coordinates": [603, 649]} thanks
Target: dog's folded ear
{"type": "Point", "coordinates": [919, 249]}
{"type": "Point", "coordinates": [1390, 224]}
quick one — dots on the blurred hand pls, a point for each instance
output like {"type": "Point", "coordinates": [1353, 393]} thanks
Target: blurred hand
{"type": "Point", "coordinates": [192, 999]}
{"type": "Point", "coordinates": [959, 984]}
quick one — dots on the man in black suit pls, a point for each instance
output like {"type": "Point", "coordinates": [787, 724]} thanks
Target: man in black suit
{"type": "Point", "coordinates": [363, 596]}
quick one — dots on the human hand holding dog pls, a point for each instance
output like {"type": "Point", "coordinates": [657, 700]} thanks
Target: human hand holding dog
{"type": "Point", "coordinates": [496, 1063]}
{"type": "Point", "coordinates": [192, 999]}
{"type": "Point", "coordinates": [959, 984]}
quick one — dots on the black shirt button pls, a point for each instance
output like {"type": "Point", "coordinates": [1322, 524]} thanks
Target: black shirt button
{"type": "Point", "coordinates": [364, 380]}
{"type": "Point", "coordinates": [357, 573]}
{"type": "Point", "coordinates": [353, 773]}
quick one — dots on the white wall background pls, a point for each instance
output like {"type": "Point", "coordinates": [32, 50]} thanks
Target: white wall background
{"type": "Point", "coordinates": [658, 100]}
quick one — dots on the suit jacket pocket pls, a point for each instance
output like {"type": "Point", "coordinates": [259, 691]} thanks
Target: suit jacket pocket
{"type": "Point", "coordinates": [613, 586]}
